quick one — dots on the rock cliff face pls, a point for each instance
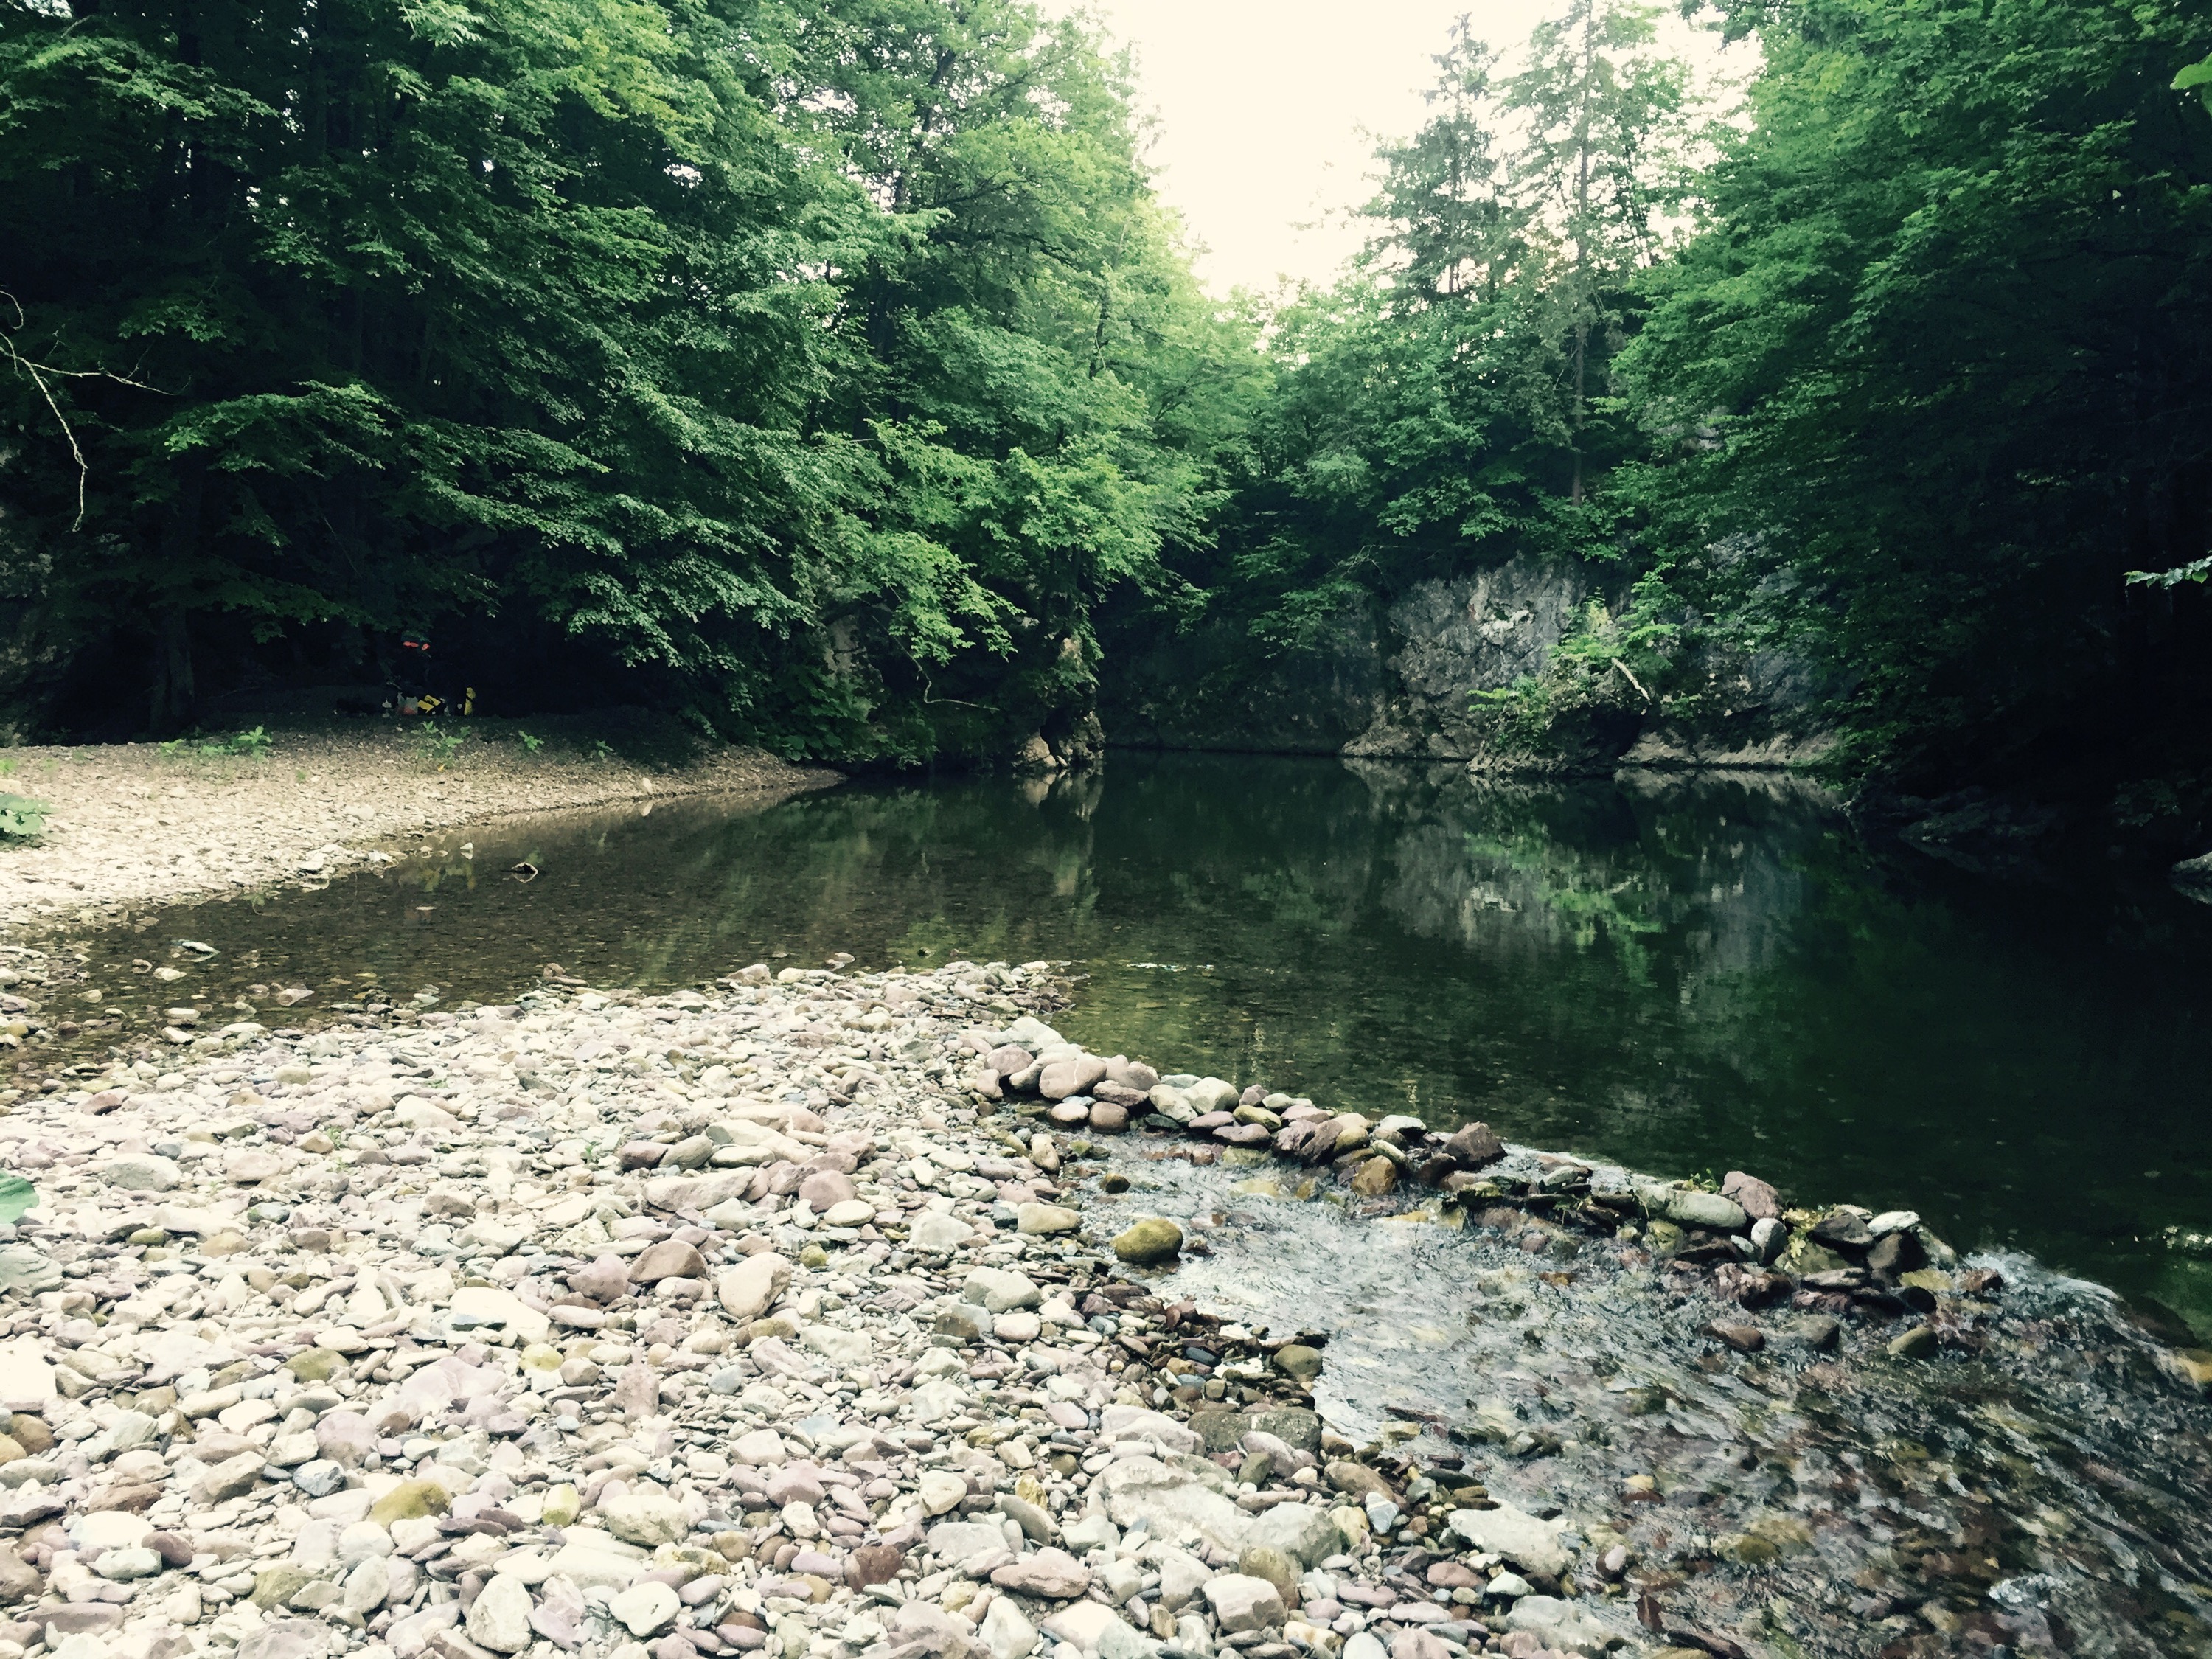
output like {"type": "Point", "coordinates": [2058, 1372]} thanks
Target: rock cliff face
{"type": "Point", "coordinates": [1400, 682]}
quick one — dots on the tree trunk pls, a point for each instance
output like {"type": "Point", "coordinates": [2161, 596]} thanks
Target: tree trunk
{"type": "Point", "coordinates": [174, 702]}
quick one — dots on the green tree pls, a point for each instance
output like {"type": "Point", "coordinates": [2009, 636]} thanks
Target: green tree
{"type": "Point", "coordinates": [1440, 407]}
{"type": "Point", "coordinates": [1603, 166]}
{"type": "Point", "coordinates": [1930, 384]}
{"type": "Point", "coordinates": [778, 363]}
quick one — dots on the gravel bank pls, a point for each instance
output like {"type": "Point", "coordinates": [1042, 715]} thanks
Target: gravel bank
{"type": "Point", "coordinates": [718, 1322]}
{"type": "Point", "coordinates": [745, 1321]}
{"type": "Point", "coordinates": [138, 824]}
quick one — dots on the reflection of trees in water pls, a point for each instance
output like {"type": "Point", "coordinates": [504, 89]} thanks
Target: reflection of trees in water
{"type": "Point", "coordinates": [1680, 880]}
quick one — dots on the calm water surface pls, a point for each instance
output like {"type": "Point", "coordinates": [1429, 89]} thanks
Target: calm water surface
{"type": "Point", "coordinates": [1681, 975]}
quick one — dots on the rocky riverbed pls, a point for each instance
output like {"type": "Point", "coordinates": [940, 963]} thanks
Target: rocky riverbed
{"type": "Point", "coordinates": [855, 1317]}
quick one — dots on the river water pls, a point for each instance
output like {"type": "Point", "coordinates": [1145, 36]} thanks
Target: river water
{"type": "Point", "coordinates": [1681, 974]}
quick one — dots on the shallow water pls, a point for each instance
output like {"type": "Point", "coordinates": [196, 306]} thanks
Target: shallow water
{"type": "Point", "coordinates": [1683, 976]}
{"type": "Point", "coordinates": [2041, 1491]}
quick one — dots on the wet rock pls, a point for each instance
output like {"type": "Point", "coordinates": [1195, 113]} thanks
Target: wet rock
{"type": "Point", "coordinates": [1689, 1208]}
{"type": "Point", "coordinates": [1919, 1342]}
{"type": "Point", "coordinates": [1474, 1147]}
{"type": "Point", "coordinates": [1374, 1177]}
{"type": "Point", "coordinates": [1296, 1359]}
{"type": "Point", "coordinates": [1155, 1238]}
{"type": "Point", "coordinates": [1562, 1625]}
{"type": "Point", "coordinates": [1768, 1239]}
{"type": "Point", "coordinates": [1061, 1078]}
{"type": "Point", "coordinates": [1895, 1253]}
{"type": "Point", "coordinates": [1756, 1199]}
{"type": "Point", "coordinates": [1529, 1544]}
{"type": "Point", "coordinates": [1818, 1332]}
{"type": "Point", "coordinates": [1845, 1229]}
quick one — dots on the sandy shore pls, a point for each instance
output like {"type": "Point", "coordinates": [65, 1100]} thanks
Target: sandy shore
{"type": "Point", "coordinates": [140, 824]}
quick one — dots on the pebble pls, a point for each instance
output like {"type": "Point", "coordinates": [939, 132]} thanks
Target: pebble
{"type": "Point", "coordinates": [722, 1321]}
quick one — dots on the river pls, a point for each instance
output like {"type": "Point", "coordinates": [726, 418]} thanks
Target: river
{"type": "Point", "coordinates": [1682, 974]}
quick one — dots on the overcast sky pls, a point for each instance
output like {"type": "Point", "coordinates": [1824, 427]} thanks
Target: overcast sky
{"type": "Point", "coordinates": [1262, 105]}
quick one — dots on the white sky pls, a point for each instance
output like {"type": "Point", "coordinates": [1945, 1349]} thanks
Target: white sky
{"type": "Point", "coordinates": [1261, 107]}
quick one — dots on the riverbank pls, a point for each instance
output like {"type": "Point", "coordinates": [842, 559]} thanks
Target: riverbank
{"type": "Point", "coordinates": [135, 824]}
{"type": "Point", "coordinates": [743, 1320]}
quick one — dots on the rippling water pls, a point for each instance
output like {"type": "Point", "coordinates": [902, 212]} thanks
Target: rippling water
{"type": "Point", "coordinates": [1681, 974]}
{"type": "Point", "coordinates": [2046, 1494]}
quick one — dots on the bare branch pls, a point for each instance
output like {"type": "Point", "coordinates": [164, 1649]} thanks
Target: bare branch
{"type": "Point", "coordinates": [38, 372]}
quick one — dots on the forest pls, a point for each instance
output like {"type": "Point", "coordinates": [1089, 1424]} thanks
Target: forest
{"type": "Point", "coordinates": [829, 374]}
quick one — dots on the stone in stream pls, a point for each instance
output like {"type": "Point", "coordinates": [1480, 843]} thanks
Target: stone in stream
{"type": "Point", "coordinates": [1529, 1544]}
{"type": "Point", "coordinates": [1374, 1177]}
{"type": "Point", "coordinates": [1768, 1239]}
{"type": "Point", "coordinates": [828, 1390]}
{"type": "Point", "coordinates": [1061, 1078]}
{"type": "Point", "coordinates": [1155, 1238]}
{"type": "Point", "coordinates": [1919, 1342]}
{"type": "Point", "coordinates": [1844, 1228]}
{"type": "Point", "coordinates": [1895, 1253]}
{"type": "Point", "coordinates": [1758, 1201]}
{"type": "Point", "coordinates": [1474, 1146]}
{"type": "Point", "coordinates": [1688, 1207]}
{"type": "Point", "coordinates": [1563, 1626]}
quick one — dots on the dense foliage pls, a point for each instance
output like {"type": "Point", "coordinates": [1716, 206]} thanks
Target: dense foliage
{"type": "Point", "coordinates": [828, 369]}
{"type": "Point", "coordinates": [1898, 368]}
{"type": "Point", "coordinates": [1939, 367]}
{"type": "Point", "coordinates": [811, 369]}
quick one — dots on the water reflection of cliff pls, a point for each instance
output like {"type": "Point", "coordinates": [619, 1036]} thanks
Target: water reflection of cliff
{"type": "Point", "coordinates": [1681, 880]}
